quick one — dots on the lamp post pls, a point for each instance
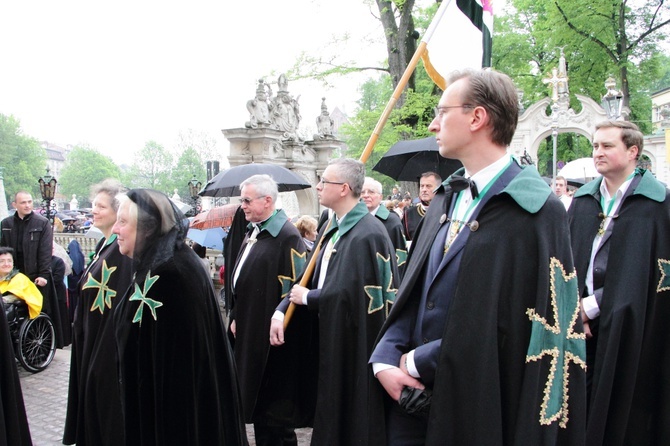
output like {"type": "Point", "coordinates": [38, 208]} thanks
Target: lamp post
{"type": "Point", "coordinates": [48, 190]}
{"type": "Point", "coordinates": [194, 187]}
{"type": "Point", "coordinates": [613, 100]}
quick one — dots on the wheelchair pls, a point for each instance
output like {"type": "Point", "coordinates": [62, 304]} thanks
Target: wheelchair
{"type": "Point", "coordinates": [34, 340]}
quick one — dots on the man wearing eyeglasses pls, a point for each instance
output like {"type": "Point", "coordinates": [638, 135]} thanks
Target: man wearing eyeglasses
{"type": "Point", "coordinates": [372, 197]}
{"type": "Point", "coordinates": [351, 290]}
{"type": "Point", "coordinates": [274, 396]}
{"type": "Point", "coordinates": [485, 322]}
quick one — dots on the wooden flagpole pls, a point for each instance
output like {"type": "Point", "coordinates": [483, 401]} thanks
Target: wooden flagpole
{"type": "Point", "coordinates": [309, 270]}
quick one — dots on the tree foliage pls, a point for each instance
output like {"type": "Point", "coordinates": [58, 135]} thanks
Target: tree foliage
{"type": "Point", "coordinates": [22, 159]}
{"type": "Point", "coordinates": [84, 168]}
{"type": "Point", "coordinates": [151, 168]}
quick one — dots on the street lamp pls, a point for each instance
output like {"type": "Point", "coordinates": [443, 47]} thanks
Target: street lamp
{"type": "Point", "coordinates": [48, 190]}
{"type": "Point", "coordinates": [613, 100]}
{"type": "Point", "coordinates": [194, 187]}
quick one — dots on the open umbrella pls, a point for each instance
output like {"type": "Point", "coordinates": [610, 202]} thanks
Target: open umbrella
{"type": "Point", "coordinates": [209, 238]}
{"type": "Point", "coordinates": [227, 182]}
{"type": "Point", "coordinates": [217, 217]}
{"type": "Point", "coordinates": [582, 168]}
{"type": "Point", "coordinates": [407, 160]}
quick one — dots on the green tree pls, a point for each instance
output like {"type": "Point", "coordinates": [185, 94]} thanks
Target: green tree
{"type": "Point", "coordinates": [22, 159]}
{"type": "Point", "coordinates": [84, 167]}
{"type": "Point", "coordinates": [188, 165]}
{"type": "Point", "coordinates": [152, 168]}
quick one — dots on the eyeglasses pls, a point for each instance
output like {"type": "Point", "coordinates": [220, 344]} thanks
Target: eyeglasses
{"type": "Point", "coordinates": [331, 182]}
{"type": "Point", "coordinates": [248, 201]}
{"type": "Point", "coordinates": [440, 111]}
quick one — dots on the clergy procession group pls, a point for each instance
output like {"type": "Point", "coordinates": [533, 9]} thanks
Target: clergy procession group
{"type": "Point", "coordinates": [509, 321]}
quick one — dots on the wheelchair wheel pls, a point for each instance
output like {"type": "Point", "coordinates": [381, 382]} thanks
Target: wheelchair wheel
{"type": "Point", "coordinates": [36, 345]}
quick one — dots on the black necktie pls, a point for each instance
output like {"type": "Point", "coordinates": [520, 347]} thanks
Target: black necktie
{"type": "Point", "coordinates": [459, 183]}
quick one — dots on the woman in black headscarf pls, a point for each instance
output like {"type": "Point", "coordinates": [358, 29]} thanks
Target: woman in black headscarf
{"type": "Point", "coordinates": [78, 265]}
{"type": "Point", "coordinates": [94, 404]}
{"type": "Point", "coordinates": [178, 382]}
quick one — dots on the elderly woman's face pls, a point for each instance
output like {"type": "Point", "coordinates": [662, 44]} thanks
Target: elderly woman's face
{"type": "Point", "coordinates": [126, 229]}
{"type": "Point", "coordinates": [6, 264]}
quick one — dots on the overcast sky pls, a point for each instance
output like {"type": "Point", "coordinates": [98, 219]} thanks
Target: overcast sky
{"type": "Point", "coordinates": [117, 74]}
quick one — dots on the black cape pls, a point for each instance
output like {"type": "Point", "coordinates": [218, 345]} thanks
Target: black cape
{"type": "Point", "coordinates": [14, 429]}
{"type": "Point", "coordinates": [352, 305]}
{"type": "Point", "coordinates": [276, 384]}
{"type": "Point", "coordinates": [494, 365]}
{"type": "Point", "coordinates": [393, 226]}
{"type": "Point", "coordinates": [94, 404]}
{"type": "Point", "coordinates": [178, 380]}
{"type": "Point", "coordinates": [629, 400]}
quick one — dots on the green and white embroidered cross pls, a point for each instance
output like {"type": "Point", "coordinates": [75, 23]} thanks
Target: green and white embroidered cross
{"type": "Point", "coordinates": [141, 295]}
{"type": "Point", "coordinates": [381, 297]}
{"type": "Point", "coordinates": [401, 257]}
{"type": "Point", "coordinates": [560, 341]}
{"type": "Point", "coordinates": [664, 282]}
{"type": "Point", "coordinates": [297, 264]}
{"type": "Point", "coordinates": [105, 293]}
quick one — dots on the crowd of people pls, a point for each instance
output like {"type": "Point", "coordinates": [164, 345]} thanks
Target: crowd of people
{"type": "Point", "coordinates": [491, 311]}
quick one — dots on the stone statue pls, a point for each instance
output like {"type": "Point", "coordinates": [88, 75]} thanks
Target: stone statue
{"type": "Point", "coordinates": [74, 203]}
{"type": "Point", "coordinates": [285, 111]}
{"type": "Point", "coordinates": [324, 123]}
{"type": "Point", "coordinates": [259, 109]}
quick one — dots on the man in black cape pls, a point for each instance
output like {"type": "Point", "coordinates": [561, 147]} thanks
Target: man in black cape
{"type": "Point", "coordinates": [620, 231]}
{"type": "Point", "coordinates": [412, 215]}
{"type": "Point", "coordinates": [274, 383]}
{"type": "Point", "coordinates": [351, 290]}
{"type": "Point", "coordinates": [372, 197]}
{"type": "Point", "coordinates": [486, 317]}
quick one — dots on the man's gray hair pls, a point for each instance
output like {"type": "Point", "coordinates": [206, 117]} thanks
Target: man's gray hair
{"type": "Point", "coordinates": [264, 184]}
{"type": "Point", "coordinates": [373, 184]}
{"type": "Point", "coordinates": [350, 171]}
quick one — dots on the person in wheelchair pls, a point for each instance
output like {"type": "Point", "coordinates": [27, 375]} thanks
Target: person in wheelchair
{"type": "Point", "coordinates": [16, 286]}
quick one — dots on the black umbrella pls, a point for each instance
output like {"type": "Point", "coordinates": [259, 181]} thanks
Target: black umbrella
{"type": "Point", "coordinates": [407, 160]}
{"type": "Point", "coordinates": [227, 182]}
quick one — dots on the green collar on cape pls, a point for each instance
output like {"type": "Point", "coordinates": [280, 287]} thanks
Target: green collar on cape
{"type": "Point", "coordinates": [350, 220]}
{"type": "Point", "coordinates": [274, 224]}
{"type": "Point", "coordinates": [648, 186]}
{"type": "Point", "coordinates": [528, 189]}
{"type": "Point", "coordinates": [382, 212]}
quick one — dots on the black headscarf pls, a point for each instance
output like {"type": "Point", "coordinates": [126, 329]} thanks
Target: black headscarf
{"type": "Point", "coordinates": [74, 250]}
{"type": "Point", "coordinates": [161, 229]}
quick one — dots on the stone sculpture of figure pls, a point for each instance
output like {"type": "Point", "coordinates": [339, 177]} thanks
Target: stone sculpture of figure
{"type": "Point", "coordinates": [324, 123]}
{"type": "Point", "coordinates": [74, 203]}
{"type": "Point", "coordinates": [259, 110]}
{"type": "Point", "coordinates": [285, 111]}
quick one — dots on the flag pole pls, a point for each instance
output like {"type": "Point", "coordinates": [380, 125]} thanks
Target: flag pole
{"type": "Point", "coordinates": [403, 81]}
{"type": "Point", "coordinates": [309, 270]}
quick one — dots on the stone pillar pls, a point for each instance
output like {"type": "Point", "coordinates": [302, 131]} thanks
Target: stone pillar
{"type": "Point", "coordinates": [265, 145]}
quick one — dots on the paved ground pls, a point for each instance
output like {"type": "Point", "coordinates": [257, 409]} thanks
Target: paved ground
{"type": "Point", "coordinates": [45, 397]}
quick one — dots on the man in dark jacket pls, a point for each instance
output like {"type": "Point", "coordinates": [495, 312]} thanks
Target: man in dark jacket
{"type": "Point", "coordinates": [487, 314]}
{"type": "Point", "coordinates": [271, 257]}
{"type": "Point", "coordinates": [31, 237]}
{"type": "Point", "coordinates": [620, 233]}
{"type": "Point", "coordinates": [352, 287]}
{"type": "Point", "coordinates": [372, 197]}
